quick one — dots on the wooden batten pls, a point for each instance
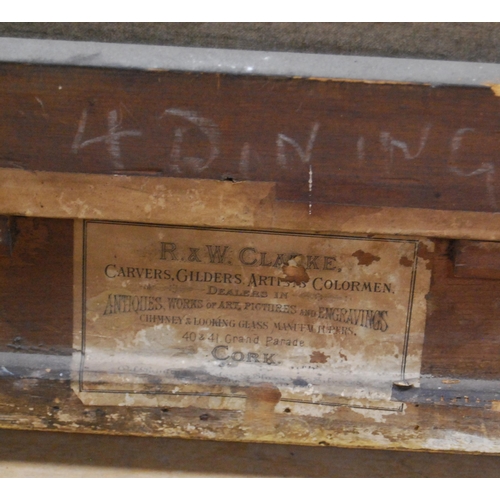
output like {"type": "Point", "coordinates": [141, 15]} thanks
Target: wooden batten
{"type": "Point", "coordinates": [221, 203]}
{"type": "Point", "coordinates": [362, 144]}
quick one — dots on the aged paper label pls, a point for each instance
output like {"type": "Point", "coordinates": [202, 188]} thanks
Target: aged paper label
{"type": "Point", "coordinates": [185, 316]}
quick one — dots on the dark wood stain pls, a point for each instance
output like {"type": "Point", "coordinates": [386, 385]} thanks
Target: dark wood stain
{"type": "Point", "coordinates": [6, 236]}
{"type": "Point", "coordinates": [363, 144]}
{"type": "Point", "coordinates": [463, 321]}
{"type": "Point", "coordinates": [36, 288]}
{"type": "Point", "coordinates": [477, 259]}
{"type": "Point", "coordinates": [93, 455]}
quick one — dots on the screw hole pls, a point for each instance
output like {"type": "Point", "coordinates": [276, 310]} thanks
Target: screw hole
{"type": "Point", "coordinates": [205, 416]}
{"type": "Point", "coordinates": [287, 410]}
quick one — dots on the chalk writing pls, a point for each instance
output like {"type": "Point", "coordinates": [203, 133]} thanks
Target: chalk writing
{"type": "Point", "coordinates": [207, 127]}
{"type": "Point", "coordinates": [111, 139]}
{"type": "Point", "coordinates": [389, 144]}
{"type": "Point", "coordinates": [184, 153]}
{"type": "Point", "coordinates": [486, 168]}
{"type": "Point", "coordinates": [245, 160]}
{"type": "Point", "coordinates": [304, 155]}
{"type": "Point", "coordinates": [360, 147]}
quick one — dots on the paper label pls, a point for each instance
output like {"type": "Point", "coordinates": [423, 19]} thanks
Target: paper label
{"type": "Point", "coordinates": [185, 315]}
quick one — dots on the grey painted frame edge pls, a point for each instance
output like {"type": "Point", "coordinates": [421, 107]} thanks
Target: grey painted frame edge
{"type": "Point", "coordinates": [247, 62]}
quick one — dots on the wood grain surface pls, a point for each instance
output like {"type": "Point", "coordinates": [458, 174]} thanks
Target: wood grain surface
{"type": "Point", "coordinates": [477, 259]}
{"type": "Point", "coordinates": [50, 454]}
{"type": "Point", "coordinates": [376, 145]}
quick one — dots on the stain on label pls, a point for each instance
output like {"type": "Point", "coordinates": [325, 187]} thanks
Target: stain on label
{"type": "Point", "coordinates": [198, 316]}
